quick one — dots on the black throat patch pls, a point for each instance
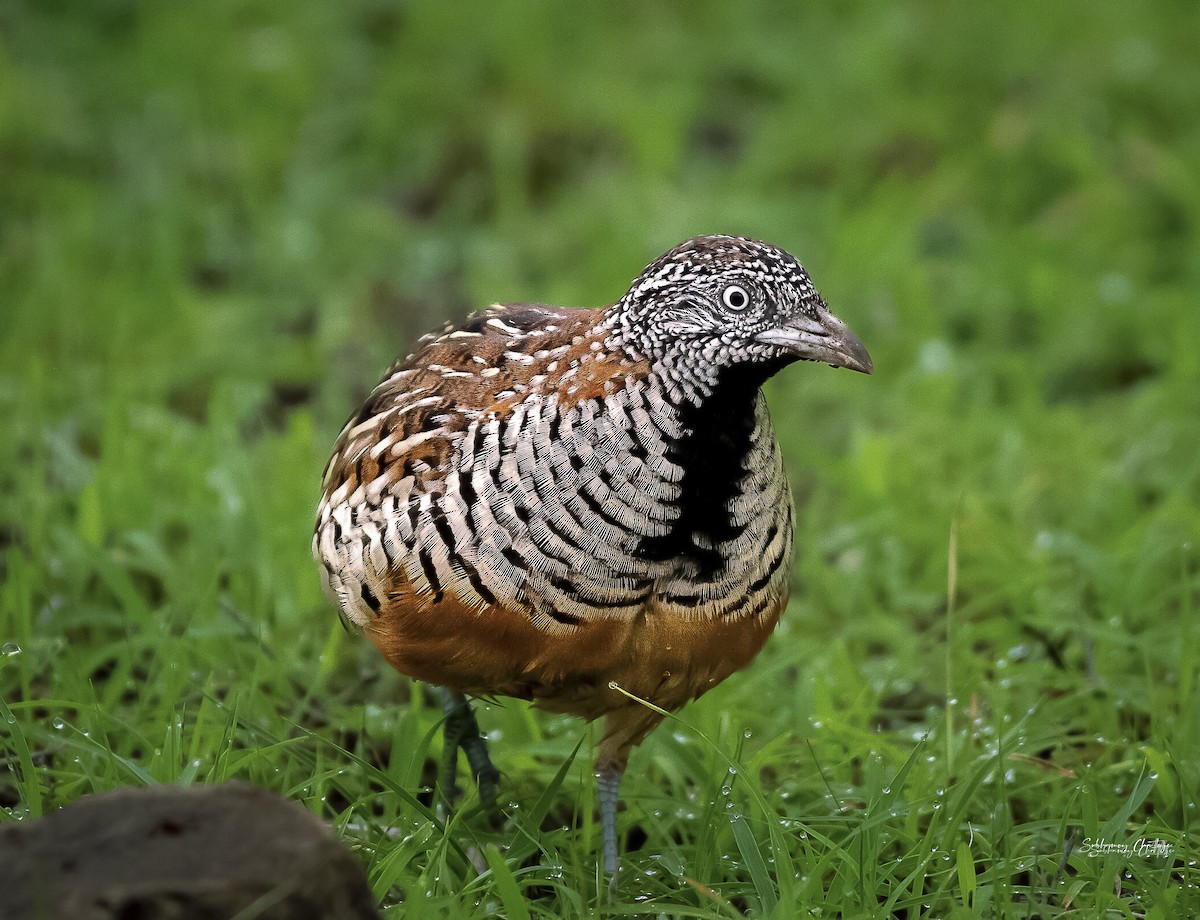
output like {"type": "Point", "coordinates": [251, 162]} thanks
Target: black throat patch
{"type": "Point", "coordinates": [712, 454]}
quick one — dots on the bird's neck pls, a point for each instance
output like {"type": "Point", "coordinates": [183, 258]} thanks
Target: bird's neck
{"type": "Point", "coordinates": [691, 377]}
{"type": "Point", "coordinates": [694, 379]}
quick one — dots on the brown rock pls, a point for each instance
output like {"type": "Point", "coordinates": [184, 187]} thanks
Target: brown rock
{"type": "Point", "coordinates": [172, 853]}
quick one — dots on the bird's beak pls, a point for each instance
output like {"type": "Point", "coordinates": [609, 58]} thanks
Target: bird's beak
{"type": "Point", "coordinates": [825, 339]}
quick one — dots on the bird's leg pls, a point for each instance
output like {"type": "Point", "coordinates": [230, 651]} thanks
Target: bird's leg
{"type": "Point", "coordinates": [623, 728]}
{"type": "Point", "coordinates": [608, 781]}
{"type": "Point", "coordinates": [460, 730]}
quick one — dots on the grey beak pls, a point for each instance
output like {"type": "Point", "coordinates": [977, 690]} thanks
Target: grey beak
{"type": "Point", "coordinates": [826, 339]}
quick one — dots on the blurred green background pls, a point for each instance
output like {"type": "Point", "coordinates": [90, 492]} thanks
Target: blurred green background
{"type": "Point", "coordinates": [220, 221]}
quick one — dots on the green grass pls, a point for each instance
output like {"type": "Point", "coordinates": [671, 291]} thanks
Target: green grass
{"type": "Point", "coordinates": [219, 222]}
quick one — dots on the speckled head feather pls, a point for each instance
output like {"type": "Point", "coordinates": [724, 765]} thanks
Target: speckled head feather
{"type": "Point", "coordinates": [724, 256]}
{"type": "Point", "coordinates": [714, 303]}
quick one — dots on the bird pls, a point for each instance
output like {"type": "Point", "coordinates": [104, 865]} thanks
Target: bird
{"type": "Point", "coordinates": [586, 508]}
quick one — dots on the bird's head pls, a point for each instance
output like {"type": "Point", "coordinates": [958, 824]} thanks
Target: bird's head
{"type": "Point", "coordinates": [718, 303]}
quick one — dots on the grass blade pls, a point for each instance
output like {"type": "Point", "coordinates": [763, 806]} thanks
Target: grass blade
{"type": "Point", "coordinates": [506, 884]}
{"type": "Point", "coordinates": [752, 856]}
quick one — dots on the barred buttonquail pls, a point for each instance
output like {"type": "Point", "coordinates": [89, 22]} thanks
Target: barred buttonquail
{"type": "Point", "coordinates": [551, 503]}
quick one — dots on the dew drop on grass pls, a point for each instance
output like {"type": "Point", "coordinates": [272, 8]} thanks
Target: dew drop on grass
{"type": "Point", "coordinates": [9, 649]}
{"type": "Point", "coordinates": [733, 771]}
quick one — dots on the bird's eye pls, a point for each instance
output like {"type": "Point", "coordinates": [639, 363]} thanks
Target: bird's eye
{"type": "Point", "coordinates": [735, 297]}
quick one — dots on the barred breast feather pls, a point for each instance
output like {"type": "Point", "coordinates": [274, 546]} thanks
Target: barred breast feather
{"type": "Point", "coordinates": [571, 527]}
